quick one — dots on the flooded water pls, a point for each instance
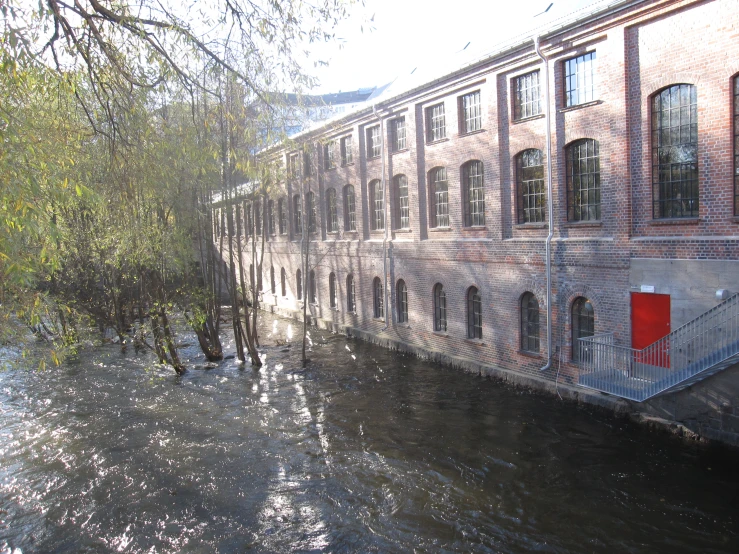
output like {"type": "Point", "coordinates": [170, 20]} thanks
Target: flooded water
{"type": "Point", "coordinates": [365, 451]}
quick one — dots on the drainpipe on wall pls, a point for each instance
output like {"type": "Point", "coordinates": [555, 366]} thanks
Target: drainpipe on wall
{"type": "Point", "coordinates": [387, 222]}
{"type": "Point", "coordinates": [550, 210]}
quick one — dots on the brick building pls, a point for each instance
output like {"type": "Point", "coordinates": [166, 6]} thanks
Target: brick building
{"type": "Point", "coordinates": [428, 212]}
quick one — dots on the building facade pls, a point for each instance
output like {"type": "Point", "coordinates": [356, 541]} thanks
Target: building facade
{"type": "Point", "coordinates": [428, 213]}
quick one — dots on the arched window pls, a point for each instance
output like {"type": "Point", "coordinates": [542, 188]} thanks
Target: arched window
{"type": "Point", "coordinates": [474, 314]}
{"type": "Point", "coordinates": [350, 213]}
{"type": "Point", "coordinates": [299, 283]}
{"type": "Point", "coordinates": [402, 206]}
{"type": "Point", "coordinates": [282, 215]}
{"type": "Point", "coordinates": [310, 210]}
{"type": "Point", "coordinates": [312, 287]}
{"type": "Point", "coordinates": [438, 198]}
{"type": "Point", "coordinates": [402, 300]}
{"type": "Point", "coordinates": [583, 324]}
{"type": "Point", "coordinates": [283, 281]}
{"type": "Point", "coordinates": [332, 290]}
{"type": "Point", "coordinates": [531, 192]}
{"type": "Point", "coordinates": [473, 192]}
{"type": "Point", "coordinates": [332, 223]}
{"type": "Point", "coordinates": [675, 152]}
{"type": "Point", "coordinates": [351, 296]}
{"type": "Point", "coordinates": [378, 298]}
{"type": "Point", "coordinates": [272, 279]}
{"type": "Point", "coordinates": [529, 323]}
{"type": "Point", "coordinates": [583, 180]}
{"type": "Point", "coordinates": [297, 215]}
{"type": "Point", "coordinates": [439, 308]}
{"type": "Point", "coordinates": [377, 196]}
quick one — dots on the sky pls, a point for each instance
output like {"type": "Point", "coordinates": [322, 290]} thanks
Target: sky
{"type": "Point", "coordinates": [399, 36]}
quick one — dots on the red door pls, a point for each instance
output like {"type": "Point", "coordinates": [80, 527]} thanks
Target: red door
{"type": "Point", "coordinates": [650, 321]}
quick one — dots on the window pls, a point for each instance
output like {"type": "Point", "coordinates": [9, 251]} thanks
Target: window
{"type": "Point", "coordinates": [272, 282]}
{"type": "Point", "coordinates": [583, 181]}
{"type": "Point", "coordinates": [439, 308]}
{"type": "Point", "coordinates": [282, 214]}
{"type": "Point", "coordinates": [377, 292]}
{"type": "Point", "coordinates": [249, 220]}
{"type": "Point", "coordinates": [310, 208]}
{"type": "Point", "coordinates": [402, 301]}
{"type": "Point", "coordinates": [580, 79]}
{"type": "Point", "coordinates": [583, 325]}
{"type": "Point", "coordinates": [377, 194]}
{"type": "Point", "coordinates": [333, 220]}
{"type": "Point", "coordinates": [439, 197]}
{"type": "Point", "coordinates": [307, 164]}
{"type": "Point", "coordinates": [473, 193]}
{"type": "Point", "coordinates": [283, 281]}
{"type": "Point", "coordinates": [526, 96]}
{"type": "Point", "coordinates": [351, 297]}
{"type": "Point", "coordinates": [297, 215]}
{"type": "Point", "coordinates": [736, 146]}
{"type": "Point", "coordinates": [397, 127]}
{"type": "Point", "coordinates": [470, 112]}
{"type": "Point", "coordinates": [332, 290]}
{"type": "Point", "coordinates": [329, 160]}
{"type": "Point", "coordinates": [258, 218]}
{"type": "Point", "coordinates": [532, 196]}
{"type": "Point", "coordinates": [374, 141]}
{"type": "Point", "coordinates": [350, 214]}
{"type": "Point", "coordinates": [292, 166]}
{"type": "Point", "coordinates": [402, 206]}
{"type": "Point", "coordinates": [271, 216]}
{"type": "Point", "coordinates": [299, 283]}
{"type": "Point", "coordinates": [435, 123]}
{"type": "Point", "coordinates": [675, 152]}
{"type": "Point", "coordinates": [312, 286]}
{"type": "Point", "coordinates": [529, 323]}
{"type": "Point", "coordinates": [346, 150]}
{"type": "Point", "coordinates": [474, 314]}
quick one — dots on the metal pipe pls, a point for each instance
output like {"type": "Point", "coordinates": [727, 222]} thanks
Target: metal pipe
{"type": "Point", "coordinates": [384, 212]}
{"type": "Point", "coordinates": [550, 210]}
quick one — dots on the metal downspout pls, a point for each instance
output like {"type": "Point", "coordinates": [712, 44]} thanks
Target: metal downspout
{"type": "Point", "coordinates": [386, 221]}
{"type": "Point", "coordinates": [550, 209]}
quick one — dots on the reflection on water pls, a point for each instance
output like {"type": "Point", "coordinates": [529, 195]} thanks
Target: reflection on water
{"type": "Point", "coordinates": [366, 450]}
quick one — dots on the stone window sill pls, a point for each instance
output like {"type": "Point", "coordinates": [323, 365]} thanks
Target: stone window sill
{"type": "Point", "coordinates": [576, 224]}
{"type": "Point", "coordinates": [735, 219]}
{"type": "Point", "coordinates": [470, 133]}
{"type": "Point", "coordinates": [401, 151]}
{"type": "Point", "coordinates": [530, 118]}
{"type": "Point", "coordinates": [431, 142]}
{"type": "Point", "coordinates": [529, 226]}
{"type": "Point", "coordinates": [580, 106]}
{"type": "Point", "coordinates": [528, 354]}
{"type": "Point", "coordinates": [347, 164]}
{"type": "Point", "coordinates": [480, 229]}
{"type": "Point", "coordinates": [402, 230]}
{"type": "Point", "coordinates": [475, 342]}
{"type": "Point", "coordinates": [440, 229]}
{"type": "Point", "coordinates": [676, 221]}
{"type": "Point", "coordinates": [441, 334]}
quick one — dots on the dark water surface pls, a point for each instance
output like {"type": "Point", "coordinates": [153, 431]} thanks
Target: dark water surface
{"type": "Point", "coordinates": [366, 451]}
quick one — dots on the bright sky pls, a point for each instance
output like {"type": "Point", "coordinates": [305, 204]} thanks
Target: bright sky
{"type": "Point", "coordinates": [423, 34]}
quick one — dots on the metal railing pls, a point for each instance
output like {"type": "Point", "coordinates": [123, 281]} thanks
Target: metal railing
{"type": "Point", "coordinates": [700, 344]}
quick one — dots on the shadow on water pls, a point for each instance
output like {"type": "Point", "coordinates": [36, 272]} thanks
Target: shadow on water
{"type": "Point", "coordinates": [365, 450]}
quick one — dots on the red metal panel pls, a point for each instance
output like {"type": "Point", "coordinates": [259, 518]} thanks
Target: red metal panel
{"type": "Point", "coordinates": [650, 321]}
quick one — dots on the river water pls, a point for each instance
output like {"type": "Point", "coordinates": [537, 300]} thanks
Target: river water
{"type": "Point", "coordinates": [367, 450]}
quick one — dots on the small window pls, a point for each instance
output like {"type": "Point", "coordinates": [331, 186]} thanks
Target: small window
{"type": "Point", "coordinates": [299, 283]}
{"type": "Point", "coordinates": [332, 290]}
{"type": "Point", "coordinates": [346, 150]}
{"type": "Point", "coordinates": [402, 301]}
{"type": "Point", "coordinates": [333, 220]}
{"type": "Point", "coordinates": [435, 123]}
{"type": "Point", "coordinates": [379, 304]}
{"type": "Point", "coordinates": [474, 314]}
{"type": "Point", "coordinates": [529, 323]}
{"type": "Point", "coordinates": [583, 181]}
{"type": "Point", "coordinates": [273, 284]}
{"type": "Point", "coordinates": [351, 296]}
{"type": "Point", "coordinates": [271, 216]}
{"type": "Point", "coordinates": [439, 308]}
{"type": "Point", "coordinates": [282, 215]}
{"type": "Point", "coordinates": [675, 152]}
{"type": "Point", "coordinates": [283, 281]}
{"type": "Point", "coordinates": [439, 197]}
{"type": "Point", "coordinates": [402, 206]}
{"type": "Point", "coordinates": [473, 193]}
{"type": "Point", "coordinates": [377, 194]}
{"type": "Point", "coordinates": [526, 96]}
{"type": "Point", "coordinates": [580, 80]}
{"type": "Point", "coordinates": [583, 325]}
{"type": "Point", "coordinates": [374, 142]}
{"type": "Point", "coordinates": [297, 215]}
{"type": "Point", "coordinates": [329, 159]}
{"type": "Point", "coordinates": [350, 214]}
{"type": "Point", "coordinates": [470, 112]}
{"type": "Point", "coordinates": [736, 146]}
{"type": "Point", "coordinates": [312, 286]}
{"type": "Point", "coordinates": [398, 132]}
{"type": "Point", "coordinates": [308, 169]}
{"type": "Point", "coordinates": [310, 207]}
{"type": "Point", "coordinates": [532, 195]}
